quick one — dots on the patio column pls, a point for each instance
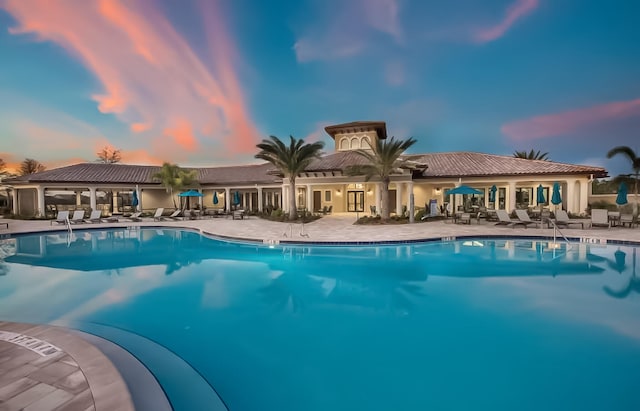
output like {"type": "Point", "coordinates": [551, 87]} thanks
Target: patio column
{"type": "Point", "coordinates": [309, 198]}
{"type": "Point", "coordinates": [92, 198]}
{"type": "Point", "coordinates": [512, 196]}
{"type": "Point", "coordinates": [227, 199]}
{"type": "Point", "coordinates": [40, 210]}
{"type": "Point", "coordinates": [260, 205]}
{"type": "Point", "coordinates": [14, 201]}
{"type": "Point", "coordinates": [398, 198]}
{"type": "Point", "coordinates": [78, 198]}
{"type": "Point", "coordinates": [571, 196]}
{"type": "Point", "coordinates": [200, 199]}
{"type": "Point", "coordinates": [584, 195]}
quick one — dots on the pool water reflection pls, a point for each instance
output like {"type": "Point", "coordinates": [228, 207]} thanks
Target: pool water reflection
{"type": "Point", "coordinates": [484, 324]}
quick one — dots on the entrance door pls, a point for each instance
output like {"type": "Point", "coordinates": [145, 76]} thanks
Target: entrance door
{"type": "Point", "coordinates": [317, 201]}
{"type": "Point", "coordinates": [392, 201]}
{"type": "Point", "coordinates": [355, 201]}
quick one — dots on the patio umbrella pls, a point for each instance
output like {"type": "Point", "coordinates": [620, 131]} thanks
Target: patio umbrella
{"type": "Point", "coordinates": [215, 197]}
{"type": "Point", "coordinates": [621, 199]}
{"type": "Point", "coordinates": [556, 198]}
{"type": "Point", "coordinates": [492, 193]}
{"type": "Point", "coordinates": [463, 190]}
{"type": "Point", "coordinates": [190, 193]}
{"type": "Point", "coordinates": [134, 199]}
{"type": "Point", "coordinates": [236, 198]}
{"type": "Point", "coordinates": [540, 195]}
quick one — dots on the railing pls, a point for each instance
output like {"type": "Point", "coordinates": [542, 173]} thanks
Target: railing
{"type": "Point", "coordinates": [290, 230]}
{"type": "Point", "coordinates": [557, 231]}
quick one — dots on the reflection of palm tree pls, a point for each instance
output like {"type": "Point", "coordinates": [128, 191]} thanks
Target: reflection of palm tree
{"type": "Point", "coordinates": [620, 261]}
{"type": "Point", "coordinates": [292, 289]}
{"type": "Point", "coordinates": [632, 286]}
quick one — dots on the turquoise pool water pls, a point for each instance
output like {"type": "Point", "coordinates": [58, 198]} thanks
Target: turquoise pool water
{"type": "Point", "coordinates": [475, 324]}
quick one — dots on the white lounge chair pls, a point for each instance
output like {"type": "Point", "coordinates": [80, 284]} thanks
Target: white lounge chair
{"type": "Point", "coordinates": [175, 215]}
{"type": "Point", "coordinates": [600, 218]}
{"type": "Point", "coordinates": [61, 218]}
{"type": "Point", "coordinates": [135, 216]}
{"type": "Point", "coordinates": [524, 219]}
{"type": "Point", "coordinates": [563, 220]}
{"type": "Point", "coordinates": [95, 217]}
{"type": "Point", "coordinates": [77, 217]}
{"type": "Point", "coordinates": [503, 218]}
{"type": "Point", "coordinates": [158, 214]}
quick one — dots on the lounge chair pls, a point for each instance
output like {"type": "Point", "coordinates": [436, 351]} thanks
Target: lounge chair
{"type": "Point", "coordinates": [600, 218]}
{"type": "Point", "coordinates": [524, 219]}
{"type": "Point", "coordinates": [61, 218]}
{"type": "Point", "coordinates": [238, 215]}
{"type": "Point", "coordinates": [77, 217]}
{"type": "Point", "coordinates": [135, 216]}
{"type": "Point", "coordinates": [174, 216]}
{"type": "Point", "coordinates": [464, 218]}
{"type": "Point", "coordinates": [94, 217]}
{"type": "Point", "coordinates": [503, 218]}
{"type": "Point", "coordinates": [157, 216]}
{"type": "Point", "coordinates": [563, 220]}
{"type": "Point", "coordinates": [627, 219]}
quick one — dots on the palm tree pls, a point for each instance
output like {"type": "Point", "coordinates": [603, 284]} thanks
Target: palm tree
{"type": "Point", "coordinates": [385, 159]}
{"type": "Point", "coordinates": [109, 155]}
{"type": "Point", "coordinates": [173, 178]}
{"type": "Point", "coordinates": [531, 155]}
{"type": "Point", "coordinates": [31, 166]}
{"type": "Point", "coordinates": [290, 160]}
{"type": "Point", "coordinates": [635, 165]}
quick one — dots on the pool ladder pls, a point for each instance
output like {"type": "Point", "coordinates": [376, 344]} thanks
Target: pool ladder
{"type": "Point", "coordinates": [290, 230]}
{"type": "Point", "coordinates": [69, 231]}
{"type": "Point", "coordinates": [557, 231]}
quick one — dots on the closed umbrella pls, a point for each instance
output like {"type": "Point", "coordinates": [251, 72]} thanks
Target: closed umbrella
{"type": "Point", "coordinates": [621, 199]}
{"type": "Point", "coordinates": [492, 193]}
{"type": "Point", "coordinates": [236, 198]}
{"type": "Point", "coordinates": [134, 199]}
{"type": "Point", "coordinates": [556, 198]}
{"type": "Point", "coordinates": [215, 197]}
{"type": "Point", "coordinates": [540, 195]}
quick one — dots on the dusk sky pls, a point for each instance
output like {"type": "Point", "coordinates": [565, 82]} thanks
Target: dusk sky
{"type": "Point", "coordinates": [202, 82]}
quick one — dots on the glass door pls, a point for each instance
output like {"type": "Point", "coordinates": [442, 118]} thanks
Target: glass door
{"type": "Point", "coordinates": [355, 201]}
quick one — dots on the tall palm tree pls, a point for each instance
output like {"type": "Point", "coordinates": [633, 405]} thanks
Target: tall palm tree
{"type": "Point", "coordinates": [635, 165]}
{"type": "Point", "coordinates": [531, 155]}
{"type": "Point", "coordinates": [31, 166]}
{"type": "Point", "coordinates": [290, 160]}
{"type": "Point", "coordinates": [173, 178]}
{"type": "Point", "coordinates": [385, 159]}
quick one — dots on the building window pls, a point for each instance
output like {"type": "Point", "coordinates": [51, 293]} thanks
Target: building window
{"type": "Point", "coordinates": [365, 142]}
{"type": "Point", "coordinates": [355, 143]}
{"type": "Point", "coordinates": [344, 144]}
{"type": "Point", "coordinates": [327, 196]}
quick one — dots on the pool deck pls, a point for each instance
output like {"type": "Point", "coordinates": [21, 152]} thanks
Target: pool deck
{"type": "Point", "coordinates": [80, 377]}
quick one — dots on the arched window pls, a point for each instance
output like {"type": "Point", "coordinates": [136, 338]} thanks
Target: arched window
{"type": "Point", "coordinates": [355, 143]}
{"type": "Point", "coordinates": [344, 144]}
{"type": "Point", "coordinates": [365, 142]}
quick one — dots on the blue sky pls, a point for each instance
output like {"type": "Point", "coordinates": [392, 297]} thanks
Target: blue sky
{"type": "Point", "coordinates": [201, 82]}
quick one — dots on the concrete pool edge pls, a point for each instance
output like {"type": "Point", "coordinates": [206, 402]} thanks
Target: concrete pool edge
{"type": "Point", "coordinates": [106, 385]}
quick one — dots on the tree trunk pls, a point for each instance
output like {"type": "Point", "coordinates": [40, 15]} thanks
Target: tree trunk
{"type": "Point", "coordinates": [384, 199]}
{"type": "Point", "coordinates": [173, 198]}
{"type": "Point", "coordinates": [293, 209]}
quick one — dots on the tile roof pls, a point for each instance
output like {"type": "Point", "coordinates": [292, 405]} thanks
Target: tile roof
{"type": "Point", "coordinates": [456, 164]}
{"type": "Point", "coordinates": [470, 164]}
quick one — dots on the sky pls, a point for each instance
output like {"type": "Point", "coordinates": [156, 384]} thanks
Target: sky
{"type": "Point", "coordinates": [201, 82]}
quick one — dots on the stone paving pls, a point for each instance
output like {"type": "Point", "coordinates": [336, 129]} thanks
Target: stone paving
{"type": "Point", "coordinates": [31, 382]}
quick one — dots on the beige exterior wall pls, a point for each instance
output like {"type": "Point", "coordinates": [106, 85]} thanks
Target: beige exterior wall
{"type": "Point", "coordinates": [355, 140]}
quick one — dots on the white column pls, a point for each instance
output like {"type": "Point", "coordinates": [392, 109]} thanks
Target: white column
{"type": "Point", "coordinates": [511, 195]}
{"type": "Point", "coordinates": [78, 198]}
{"type": "Point", "coordinates": [200, 200]}
{"type": "Point", "coordinates": [40, 210]}
{"type": "Point", "coordinates": [309, 198]}
{"type": "Point", "coordinates": [585, 186]}
{"type": "Point", "coordinates": [92, 198]}
{"type": "Point", "coordinates": [569, 199]}
{"type": "Point", "coordinates": [260, 205]}
{"type": "Point", "coordinates": [14, 200]}
{"type": "Point", "coordinates": [399, 198]}
{"type": "Point", "coordinates": [248, 200]}
{"type": "Point", "coordinates": [227, 199]}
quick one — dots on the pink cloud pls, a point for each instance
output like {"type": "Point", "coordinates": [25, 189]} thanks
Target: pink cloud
{"type": "Point", "coordinates": [345, 28]}
{"type": "Point", "coordinates": [514, 12]}
{"type": "Point", "coordinates": [551, 125]}
{"type": "Point", "coordinates": [150, 76]}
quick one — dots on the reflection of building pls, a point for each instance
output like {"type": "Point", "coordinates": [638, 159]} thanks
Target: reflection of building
{"type": "Point", "coordinates": [323, 184]}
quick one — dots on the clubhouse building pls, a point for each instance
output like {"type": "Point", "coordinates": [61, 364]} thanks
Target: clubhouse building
{"type": "Point", "coordinates": [324, 185]}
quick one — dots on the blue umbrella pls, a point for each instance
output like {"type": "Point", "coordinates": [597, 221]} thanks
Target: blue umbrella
{"type": "Point", "coordinates": [540, 195]}
{"type": "Point", "coordinates": [621, 199]}
{"type": "Point", "coordinates": [556, 198]}
{"type": "Point", "coordinates": [236, 198]}
{"type": "Point", "coordinates": [134, 200]}
{"type": "Point", "coordinates": [463, 190]}
{"type": "Point", "coordinates": [190, 193]}
{"type": "Point", "coordinates": [492, 193]}
{"type": "Point", "coordinates": [215, 197]}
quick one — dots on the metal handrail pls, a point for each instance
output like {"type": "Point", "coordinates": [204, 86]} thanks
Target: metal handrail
{"type": "Point", "coordinates": [557, 230]}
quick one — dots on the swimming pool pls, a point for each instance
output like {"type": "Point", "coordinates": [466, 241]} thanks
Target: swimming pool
{"type": "Point", "coordinates": [482, 324]}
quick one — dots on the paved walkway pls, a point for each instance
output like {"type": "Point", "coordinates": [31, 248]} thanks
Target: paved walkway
{"type": "Point", "coordinates": [71, 379]}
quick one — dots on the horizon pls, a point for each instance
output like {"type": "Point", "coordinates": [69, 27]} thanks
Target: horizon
{"type": "Point", "coordinates": [201, 83]}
